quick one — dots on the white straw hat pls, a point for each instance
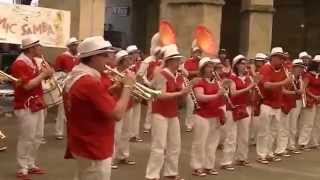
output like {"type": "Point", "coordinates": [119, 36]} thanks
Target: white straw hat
{"type": "Point", "coordinates": [93, 46]}
{"type": "Point", "coordinates": [297, 62]}
{"type": "Point", "coordinates": [132, 48]}
{"type": "Point", "coordinates": [237, 59]}
{"type": "Point", "coordinates": [260, 57]}
{"type": "Point", "coordinates": [316, 58]}
{"type": "Point", "coordinates": [304, 54]}
{"type": "Point", "coordinates": [29, 41]}
{"type": "Point", "coordinates": [204, 61]}
{"type": "Point", "coordinates": [171, 52]}
{"type": "Point", "coordinates": [277, 51]}
{"type": "Point", "coordinates": [121, 54]}
{"type": "Point", "coordinates": [72, 41]}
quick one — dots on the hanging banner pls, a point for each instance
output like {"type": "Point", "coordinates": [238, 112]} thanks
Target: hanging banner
{"type": "Point", "coordinates": [52, 26]}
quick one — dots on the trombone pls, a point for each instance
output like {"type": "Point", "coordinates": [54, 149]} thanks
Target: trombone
{"type": "Point", "coordinates": [139, 90]}
{"type": "Point", "coordinates": [8, 76]}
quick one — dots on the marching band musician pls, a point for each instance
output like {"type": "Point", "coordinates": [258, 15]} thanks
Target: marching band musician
{"type": "Point", "coordinates": [258, 61]}
{"type": "Point", "coordinates": [240, 96]}
{"type": "Point", "coordinates": [91, 111]}
{"type": "Point", "coordinates": [135, 56]}
{"type": "Point", "coordinates": [306, 58]}
{"type": "Point", "coordinates": [227, 70]}
{"type": "Point", "coordinates": [29, 105]}
{"type": "Point", "coordinates": [310, 124]}
{"type": "Point", "coordinates": [65, 63]}
{"type": "Point", "coordinates": [208, 119]}
{"type": "Point", "coordinates": [122, 128]}
{"type": "Point", "coordinates": [291, 108]}
{"type": "Point", "coordinates": [166, 140]}
{"type": "Point", "coordinates": [147, 70]}
{"type": "Point", "coordinates": [273, 78]}
{"type": "Point", "coordinates": [236, 145]}
{"type": "Point", "coordinates": [192, 66]}
{"type": "Point", "coordinates": [68, 59]}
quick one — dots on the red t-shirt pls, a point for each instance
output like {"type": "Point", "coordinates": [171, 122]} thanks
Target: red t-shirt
{"type": "Point", "coordinates": [288, 100]}
{"type": "Point", "coordinates": [209, 109]}
{"type": "Point", "coordinates": [90, 126]}
{"type": "Point", "coordinates": [25, 73]}
{"type": "Point", "coordinates": [151, 68]}
{"type": "Point", "coordinates": [313, 87]}
{"type": "Point", "coordinates": [191, 64]}
{"type": "Point", "coordinates": [168, 107]}
{"type": "Point", "coordinates": [272, 97]}
{"type": "Point", "coordinates": [65, 62]}
{"type": "Point", "coordinates": [106, 81]}
{"type": "Point", "coordinates": [244, 98]}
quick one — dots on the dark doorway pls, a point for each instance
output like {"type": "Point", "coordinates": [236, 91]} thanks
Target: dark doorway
{"type": "Point", "coordinates": [230, 28]}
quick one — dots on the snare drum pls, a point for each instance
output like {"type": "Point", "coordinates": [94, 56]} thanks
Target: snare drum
{"type": "Point", "coordinates": [51, 93]}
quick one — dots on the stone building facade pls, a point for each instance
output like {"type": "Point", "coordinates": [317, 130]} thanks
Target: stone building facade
{"type": "Point", "coordinates": [240, 26]}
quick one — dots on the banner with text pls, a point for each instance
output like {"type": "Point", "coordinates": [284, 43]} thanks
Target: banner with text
{"type": "Point", "coordinates": [52, 26]}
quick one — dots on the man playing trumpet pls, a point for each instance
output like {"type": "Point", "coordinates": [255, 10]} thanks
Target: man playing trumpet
{"type": "Point", "coordinates": [92, 111]}
{"type": "Point", "coordinates": [29, 105]}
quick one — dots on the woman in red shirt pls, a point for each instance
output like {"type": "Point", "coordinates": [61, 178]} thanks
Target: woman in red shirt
{"type": "Point", "coordinates": [310, 116]}
{"type": "Point", "coordinates": [290, 111]}
{"type": "Point", "coordinates": [207, 120]}
{"type": "Point", "coordinates": [238, 123]}
{"type": "Point", "coordinates": [166, 141]}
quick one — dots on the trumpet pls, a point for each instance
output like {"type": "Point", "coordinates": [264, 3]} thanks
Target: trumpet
{"type": "Point", "coordinates": [139, 90]}
{"type": "Point", "coordinates": [226, 95]}
{"type": "Point", "coordinates": [290, 76]}
{"type": "Point", "coordinates": [8, 76]}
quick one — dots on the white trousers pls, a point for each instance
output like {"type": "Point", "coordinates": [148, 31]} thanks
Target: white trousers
{"type": "Point", "coordinates": [189, 116]}
{"type": "Point", "coordinates": [206, 137]}
{"type": "Point", "coordinates": [236, 143]}
{"type": "Point", "coordinates": [93, 169]}
{"type": "Point", "coordinates": [60, 120]}
{"type": "Point", "coordinates": [283, 132]}
{"type": "Point", "coordinates": [254, 128]}
{"type": "Point", "coordinates": [315, 134]}
{"type": "Point", "coordinates": [122, 136]}
{"type": "Point", "coordinates": [268, 130]}
{"type": "Point", "coordinates": [165, 147]}
{"type": "Point", "coordinates": [307, 122]}
{"type": "Point", "coordinates": [135, 120]}
{"type": "Point", "coordinates": [293, 124]}
{"type": "Point", "coordinates": [147, 122]}
{"type": "Point", "coordinates": [30, 134]}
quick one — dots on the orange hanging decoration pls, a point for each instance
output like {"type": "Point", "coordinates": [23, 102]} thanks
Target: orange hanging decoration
{"type": "Point", "coordinates": [167, 34]}
{"type": "Point", "coordinates": [206, 40]}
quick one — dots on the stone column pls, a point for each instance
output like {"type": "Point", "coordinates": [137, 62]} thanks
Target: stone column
{"type": "Point", "coordinates": [256, 26]}
{"type": "Point", "coordinates": [87, 18]}
{"type": "Point", "coordinates": [185, 15]}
